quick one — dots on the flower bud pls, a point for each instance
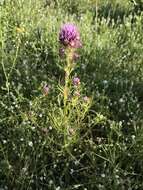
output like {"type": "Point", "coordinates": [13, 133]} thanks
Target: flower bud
{"type": "Point", "coordinates": [45, 90]}
{"type": "Point", "coordinates": [86, 99]}
{"type": "Point", "coordinates": [76, 81]}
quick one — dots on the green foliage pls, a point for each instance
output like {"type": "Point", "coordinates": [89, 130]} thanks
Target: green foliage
{"type": "Point", "coordinates": [93, 146]}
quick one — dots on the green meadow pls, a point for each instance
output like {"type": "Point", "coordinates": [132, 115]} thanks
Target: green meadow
{"type": "Point", "coordinates": [56, 135]}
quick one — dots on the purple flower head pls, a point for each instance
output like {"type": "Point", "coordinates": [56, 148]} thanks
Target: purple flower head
{"type": "Point", "coordinates": [76, 81]}
{"type": "Point", "coordinates": [69, 36]}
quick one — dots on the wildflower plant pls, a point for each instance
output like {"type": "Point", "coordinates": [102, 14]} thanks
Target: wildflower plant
{"type": "Point", "coordinates": [70, 99]}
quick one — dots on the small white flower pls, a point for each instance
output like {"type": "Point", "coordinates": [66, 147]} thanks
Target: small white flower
{"type": "Point", "coordinates": [83, 66]}
{"type": "Point", "coordinates": [76, 186]}
{"type": "Point", "coordinates": [55, 165]}
{"type": "Point", "coordinates": [24, 169]}
{"type": "Point", "coordinates": [58, 188]}
{"type": "Point", "coordinates": [30, 143]}
{"type": "Point", "coordinates": [102, 175]}
{"type": "Point", "coordinates": [76, 162]}
{"type": "Point", "coordinates": [50, 182]}
{"type": "Point", "coordinates": [24, 123]}
{"type": "Point", "coordinates": [105, 82]}
{"type": "Point", "coordinates": [71, 171]}
{"type": "Point", "coordinates": [100, 186]}
{"type": "Point", "coordinates": [133, 136]}
{"type": "Point", "coordinates": [50, 128]}
{"type": "Point", "coordinates": [30, 103]}
{"type": "Point", "coordinates": [121, 100]}
{"type": "Point", "coordinates": [9, 166]}
{"type": "Point", "coordinates": [4, 141]}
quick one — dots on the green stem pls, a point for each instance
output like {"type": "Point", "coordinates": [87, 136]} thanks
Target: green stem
{"type": "Point", "coordinates": [7, 76]}
{"type": "Point", "coordinates": [68, 69]}
{"type": "Point", "coordinates": [15, 58]}
{"type": "Point", "coordinates": [2, 63]}
{"type": "Point", "coordinates": [96, 14]}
